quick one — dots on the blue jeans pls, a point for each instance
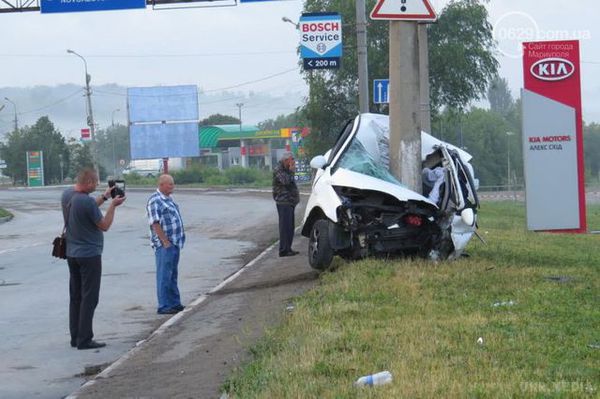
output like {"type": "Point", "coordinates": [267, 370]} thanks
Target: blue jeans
{"type": "Point", "coordinates": [167, 292]}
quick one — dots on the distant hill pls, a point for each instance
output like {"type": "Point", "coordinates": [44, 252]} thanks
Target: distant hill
{"type": "Point", "coordinates": [65, 106]}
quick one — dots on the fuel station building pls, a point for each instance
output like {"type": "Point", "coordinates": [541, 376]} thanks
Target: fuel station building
{"type": "Point", "coordinates": [224, 146]}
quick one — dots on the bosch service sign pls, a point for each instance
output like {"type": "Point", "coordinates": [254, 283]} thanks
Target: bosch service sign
{"type": "Point", "coordinates": [321, 40]}
{"type": "Point", "coordinates": [553, 137]}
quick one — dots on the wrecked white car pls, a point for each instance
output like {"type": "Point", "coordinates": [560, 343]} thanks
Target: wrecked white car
{"type": "Point", "coordinates": [358, 209]}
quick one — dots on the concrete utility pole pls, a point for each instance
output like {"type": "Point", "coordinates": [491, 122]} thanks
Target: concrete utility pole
{"type": "Point", "coordinates": [363, 65]}
{"type": "Point", "coordinates": [16, 121]}
{"type": "Point", "coordinates": [90, 114]}
{"type": "Point", "coordinates": [405, 100]}
{"type": "Point", "coordinates": [243, 149]}
{"type": "Point", "coordinates": [240, 105]}
{"type": "Point", "coordinates": [424, 78]}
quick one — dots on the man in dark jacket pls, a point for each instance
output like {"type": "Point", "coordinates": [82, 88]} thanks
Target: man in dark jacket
{"type": "Point", "coordinates": [286, 196]}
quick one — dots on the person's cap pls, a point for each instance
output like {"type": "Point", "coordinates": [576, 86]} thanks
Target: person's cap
{"type": "Point", "coordinates": [287, 155]}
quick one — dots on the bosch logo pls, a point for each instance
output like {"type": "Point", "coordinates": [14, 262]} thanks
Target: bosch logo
{"type": "Point", "coordinates": [552, 69]}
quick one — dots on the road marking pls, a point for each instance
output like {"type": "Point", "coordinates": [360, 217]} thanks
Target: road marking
{"type": "Point", "coordinates": [35, 244]}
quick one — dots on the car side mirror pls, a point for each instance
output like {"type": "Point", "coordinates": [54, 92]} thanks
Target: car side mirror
{"type": "Point", "coordinates": [318, 162]}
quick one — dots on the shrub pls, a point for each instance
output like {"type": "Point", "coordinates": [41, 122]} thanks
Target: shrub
{"type": "Point", "coordinates": [138, 180]}
{"type": "Point", "coordinates": [239, 175]}
{"type": "Point", "coordinates": [208, 172]}
{"type": "Point", "coordinates": [217, 180]}
{"type": "Point", "coordinates": [186, 176]}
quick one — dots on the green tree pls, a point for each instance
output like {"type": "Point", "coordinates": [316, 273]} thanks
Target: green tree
{"type": "Point", "coordinates": [294, 119]}
{"type": "Point", "coordinates": [219, 119]}
{"type": "Point", "coordinates": [460, 55]}
{"type": "Point", "coordinates": [591, 140]}
{"type": "Point", "coordinates": [13, 152]}
{"type": "Point", "coordinates": [81, 157]}
{"type": "Point", "coordinates": [113, 146]}
{"type": "Point", "coordinates": [42, 136]}
{"type": "Point", "coordinates": [499, 96]}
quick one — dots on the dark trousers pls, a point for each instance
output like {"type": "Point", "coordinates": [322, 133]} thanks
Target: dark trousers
{"type": "Point", "coordinates": [286, 227]}
{"type": "Point", "coordinates": [84, 290]}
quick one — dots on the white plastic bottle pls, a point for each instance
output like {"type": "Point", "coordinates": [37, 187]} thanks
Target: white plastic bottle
{"type": "Point", "coordinates": [383, 377]}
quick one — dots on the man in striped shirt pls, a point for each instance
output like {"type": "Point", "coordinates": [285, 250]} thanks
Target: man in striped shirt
{"type": "Point", "coordinates": [168, 237]}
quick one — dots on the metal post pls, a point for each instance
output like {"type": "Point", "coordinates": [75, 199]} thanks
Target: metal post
{"type": "Point", "coordinates": [112, 118]}
{"type": "Point", "coordinates": [16, 121]}
{"type": "Point", "coordinates": [240, 105]}
{"type": "Point", "coordinates": [90, 114]}
{"type": "Point", "coordinates": [508, 134]}
{"type": "Point", "coordinates": [361, 48]}
{"type": "Point", "coordinates": [62, 178]}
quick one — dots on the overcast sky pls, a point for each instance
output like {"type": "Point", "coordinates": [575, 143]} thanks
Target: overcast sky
{"type": "Point", "coordinates": [226, 48]}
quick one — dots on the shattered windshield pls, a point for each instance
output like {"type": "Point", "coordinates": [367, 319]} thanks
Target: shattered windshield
{"type": "Point", "coordinates": [357, 159]}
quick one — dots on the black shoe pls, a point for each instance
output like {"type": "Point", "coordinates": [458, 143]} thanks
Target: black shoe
{"type": "Point", "coordinates": [92, 345]}
{"type": "Point", "coordinates": [168, 311]}
{"type": "Point", "coordinates": [179, 308]}
{"type": "Point", "coordinates": [73, 344]}
{"type": "Point", "coordinates": [288, 253]}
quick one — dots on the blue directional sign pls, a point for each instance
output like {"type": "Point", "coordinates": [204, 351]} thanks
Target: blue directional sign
{"type": "Point", "coordinates": [381, 91]}
{"type": "Point", "coordinates": [56, 6]}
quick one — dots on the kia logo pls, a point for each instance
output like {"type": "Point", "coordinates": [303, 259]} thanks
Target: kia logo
{"type": "Point", "coordinates": [552, 69]}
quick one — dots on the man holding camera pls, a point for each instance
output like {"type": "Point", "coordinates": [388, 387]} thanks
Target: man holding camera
{"type": "Point", "coordinates": [85, 242]}
{"type": "Point", "coordinates": [167, 237]}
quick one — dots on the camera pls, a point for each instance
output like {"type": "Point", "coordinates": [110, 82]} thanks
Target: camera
{"type": "Point", "coordinates": [119, 188]}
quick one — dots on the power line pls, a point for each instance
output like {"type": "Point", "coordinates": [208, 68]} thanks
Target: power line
{"type": "Point", "coordinates": [52, 104]}
{"type": "Point", "coordinates": [105, 92]}
{"type": "Point", "coordinates": [252, 81]}
{"type": "Point", "coordinates": [158, 55]}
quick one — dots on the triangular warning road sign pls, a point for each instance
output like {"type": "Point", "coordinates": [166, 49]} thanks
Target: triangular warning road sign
{"type": "Point", "coordinates": [404, 10]}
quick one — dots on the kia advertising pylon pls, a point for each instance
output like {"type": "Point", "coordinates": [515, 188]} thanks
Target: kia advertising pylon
{"type": "Point", "coordinates": [553, 137]}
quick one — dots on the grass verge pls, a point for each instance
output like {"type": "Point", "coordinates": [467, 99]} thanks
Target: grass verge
{"type": "Point", "coordinates": [4, 213]}
{"type": "Point", "coordinates": [533, 298]}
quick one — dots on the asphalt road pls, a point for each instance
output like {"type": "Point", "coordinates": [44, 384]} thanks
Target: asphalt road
{"type": "Point", "coordinates": [37, 361]}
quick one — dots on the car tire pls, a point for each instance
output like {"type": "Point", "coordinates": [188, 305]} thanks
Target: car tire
{"type": "Point", "coordinates": [320, 253]}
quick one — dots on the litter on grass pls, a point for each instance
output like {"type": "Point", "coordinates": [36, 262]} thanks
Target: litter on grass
{"type": "Point", "coordinates": [504, 303]}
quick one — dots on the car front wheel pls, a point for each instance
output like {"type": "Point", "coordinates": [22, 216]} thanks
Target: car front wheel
{"type": "Point", "coordinates": [320, 253]}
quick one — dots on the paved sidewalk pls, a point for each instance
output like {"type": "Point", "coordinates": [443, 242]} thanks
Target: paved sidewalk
{"type": "Point", "coordinates": [192, 354]}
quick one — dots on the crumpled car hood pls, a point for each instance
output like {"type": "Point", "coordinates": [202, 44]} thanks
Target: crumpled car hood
{"type": "Point", "coordinates": [348, 178]}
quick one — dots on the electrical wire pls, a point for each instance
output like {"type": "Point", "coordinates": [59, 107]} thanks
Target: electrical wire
{"type": "Point", "coordinates": [62, 100]}
{"type": "Point", "coordinates": [158, 55]}
{"type": "Point", "coordinates": [253, 81]}
{"type": "Point", "coordinates": [106, 92]}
